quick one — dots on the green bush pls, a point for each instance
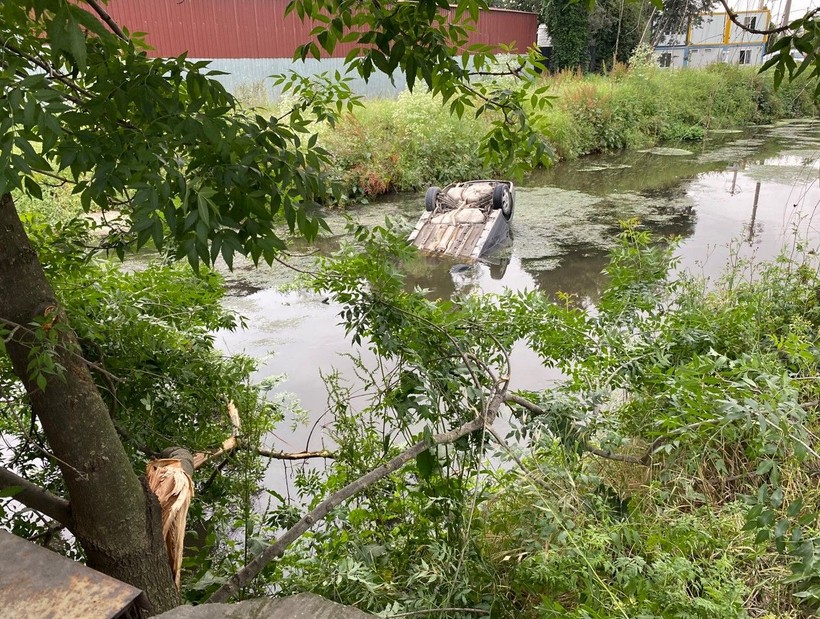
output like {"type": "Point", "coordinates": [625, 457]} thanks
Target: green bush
{"type": "Point", "coordinates": [672, 473]}
{"type": "Point", "coordinates": [405, 144]}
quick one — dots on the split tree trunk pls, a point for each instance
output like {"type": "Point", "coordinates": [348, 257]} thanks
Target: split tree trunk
{"type": "Point", "coordinates": [116, 521]}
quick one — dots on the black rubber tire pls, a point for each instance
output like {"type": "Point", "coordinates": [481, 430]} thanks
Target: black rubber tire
{"type": "Point", "coordinates": [502, 199]}
{"type": "Point", "coordinates": [431, 198]}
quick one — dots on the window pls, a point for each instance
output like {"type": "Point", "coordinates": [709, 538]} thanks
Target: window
{"type": "Point", "coordinates": [751, 23]}
{"type": "Point", "coordinates": [745, 56]}
{"type": "Point", "coordinates": [665, 59]}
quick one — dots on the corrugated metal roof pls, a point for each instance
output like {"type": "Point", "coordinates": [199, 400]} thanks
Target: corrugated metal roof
{"type": "Point", "coordinates": [36, 583]}
{"type": "Point", "coordinates": [259, 28]}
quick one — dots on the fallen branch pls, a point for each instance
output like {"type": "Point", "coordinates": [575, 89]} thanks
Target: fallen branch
{"type": "Point", "coordinates": [643, 460]}
{"type": "Point", "coordinates": [234, 442]}
{"type": "Point", "coordinates": [243, 577]}
{"type": "Point", "coordinates": [430, 611]}
{"type": "Point", "coordinates": [37, 498]}
{"type": "Point", "coordinates": [295, 455]}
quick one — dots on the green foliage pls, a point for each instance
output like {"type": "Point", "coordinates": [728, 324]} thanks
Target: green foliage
{"type": "Point", "coordinates": [645, 105]}
{"type": "Point", "coordinates": [716, 388]}
{"type": "Point", "coordinates": [405, 144]}
{"type": "Point", "coordinates": [615, 31]}
{"type": "Point", "coordinates": [147, 334]}
{"type": "Point", "coordinates": [568, 24]}
{"type": "Point", "coordinates": [668, 475]}
{"type": "Point", "coordinates": [413, 142]}
{"type": "Point", "coordinates": [598, 554]}
{"type": "Point", "coordinates": [194, 173]}
{"type": "Point", "coordinates": [803, 36]}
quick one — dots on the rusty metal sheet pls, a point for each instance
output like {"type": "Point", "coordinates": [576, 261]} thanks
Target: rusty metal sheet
{"type": "Point", "coordinates": [36, 583]}
{"type": "Point", "coordinates": [259, 28]}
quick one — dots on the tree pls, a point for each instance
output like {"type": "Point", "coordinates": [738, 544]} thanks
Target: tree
{"type": "Point", "coordinates": [568, 24]}
{"type": "Point", "coordinates": [615, 31]}
{"type": "Point", "coordinates": [675, 16]}
{"type": "Point", "coordinates": [193, 174]}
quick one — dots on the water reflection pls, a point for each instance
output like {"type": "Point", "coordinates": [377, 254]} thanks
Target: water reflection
{"type": "Point", "coordinates": [565, 222]}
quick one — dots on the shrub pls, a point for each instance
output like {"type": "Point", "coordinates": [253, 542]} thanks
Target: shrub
{"type": "Point", "coordinates": [404, 145]}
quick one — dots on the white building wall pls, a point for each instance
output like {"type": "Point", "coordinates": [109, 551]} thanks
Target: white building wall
{"type": "Point", "coordinates": [759, 20]}
{"type": "Point", "coordinates": [704, 56]}
{"type": "Point", "coordinates": [717, 39]}
{"type": "Point", "coordinates": [711, 31]}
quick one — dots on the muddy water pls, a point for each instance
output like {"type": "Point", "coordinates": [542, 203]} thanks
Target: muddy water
{"type": "Point", "coordinates": [564, 224]}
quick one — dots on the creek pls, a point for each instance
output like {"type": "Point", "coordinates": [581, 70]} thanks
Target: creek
{"type": "Point", "coordinates": [565, 222]}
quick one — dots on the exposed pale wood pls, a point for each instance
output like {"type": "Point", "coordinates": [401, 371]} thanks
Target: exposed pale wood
{"type": "Point", "coordinates": [233, 415]}
{"type": "Point", "coordinates": [228, 445]}
{"type": "Point", "coordinates": [174, 489]}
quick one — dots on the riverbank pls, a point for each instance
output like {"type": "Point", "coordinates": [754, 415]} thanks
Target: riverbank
{"type": "Point", "coordinates": [412, 142]}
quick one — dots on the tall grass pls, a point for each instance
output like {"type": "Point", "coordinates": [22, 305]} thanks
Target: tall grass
{"type": "Point", "coordinates": [412, 142]}
{"type": "Point", "coordinates": [404, 145]}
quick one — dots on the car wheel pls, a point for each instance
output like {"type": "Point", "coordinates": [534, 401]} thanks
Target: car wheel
{"type": "Point", "coordinates": [502, 199]}
{"type": "Point", "coordinates": [431, 198]}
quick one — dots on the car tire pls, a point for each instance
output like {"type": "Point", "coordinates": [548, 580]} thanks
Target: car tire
{"type": "Point", "coordinates": [503, 200]}
{"type": "Point", "coordinates": [431, 198]}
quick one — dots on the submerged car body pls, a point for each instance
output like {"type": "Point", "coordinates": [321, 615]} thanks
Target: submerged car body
{"type": "Point", "coordinates": [466, 219]}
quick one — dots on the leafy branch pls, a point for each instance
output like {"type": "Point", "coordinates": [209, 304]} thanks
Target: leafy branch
{"type": "Point", "coordinates": [244, 577]}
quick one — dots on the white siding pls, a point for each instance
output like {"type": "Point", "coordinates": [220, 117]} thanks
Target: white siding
{"type": "Point", "coordinates": [761, 22]}
{"type": "Point", "coordinates": [710, 31]}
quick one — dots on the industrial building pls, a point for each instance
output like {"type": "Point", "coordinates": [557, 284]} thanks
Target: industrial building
{"type": "Point", "coordinates": [715, 38]}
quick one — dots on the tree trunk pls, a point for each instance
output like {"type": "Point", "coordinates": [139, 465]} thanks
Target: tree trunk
{"type": "Point", "coordinates": [116, 520]}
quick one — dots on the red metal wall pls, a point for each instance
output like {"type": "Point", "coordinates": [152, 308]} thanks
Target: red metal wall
{"type": "Point", "coordinates": [258, 28]}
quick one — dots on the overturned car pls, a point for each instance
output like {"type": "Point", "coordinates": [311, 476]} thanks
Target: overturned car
{"type": "Point", "coordinates": [465, 220]}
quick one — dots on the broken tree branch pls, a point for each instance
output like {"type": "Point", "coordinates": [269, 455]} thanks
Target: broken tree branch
{"type": "Point", "coordinates": [295, 455]}
{"type": "Point", "coordinates": [243, 577]}
{"type": "Point", "coordinates": [202, 458]}
{"type": "Point", "coordinates": [234, 442]}
{"type": "Point", "coordinates": [37, 498]}
{"type": "Point", "coordinates": [643, 460]}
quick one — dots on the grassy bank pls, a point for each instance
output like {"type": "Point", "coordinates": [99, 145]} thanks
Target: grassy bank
{"type": "Point", "coordinates": [412, 142]}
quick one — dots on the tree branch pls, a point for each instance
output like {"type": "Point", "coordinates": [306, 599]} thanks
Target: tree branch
{"type": "Point", "coordinates": [50, 72]}
{"type": "Point", "coordinates": [37, 498]}
{"type": "Point", "coordinates": [234, 442]}
{"type": "Point", "coordinates": [295, 455]}
{"type": "Point", "coordinates": [430, 611]}
{"type": "Point", "coordinates": [252, 570]}
{"type": "Point", "coordinates": [103, 15]}
{"type": "Point", "coordinates": [736, 21]}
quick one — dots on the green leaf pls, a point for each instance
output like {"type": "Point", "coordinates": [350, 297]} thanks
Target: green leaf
{"type": "Point", "coordinates": [10, 491]}
{"type": "Point", "coordinates": [33, 188]}
{"type": "Point", "coordinates": [66, 35]}
{"type": "Point", "coordinates": [202, 207]}
{"type": "Point", "coordinates": [426, 464]}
